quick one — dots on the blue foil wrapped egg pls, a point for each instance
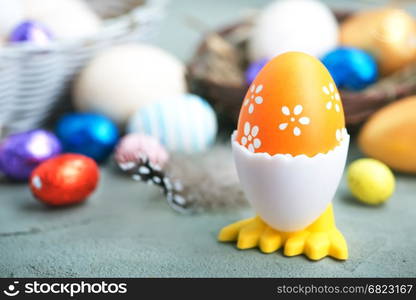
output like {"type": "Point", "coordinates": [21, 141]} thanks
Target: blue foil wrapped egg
{"type": "Point", "coordinates": [90, 134]}
{"type": "Point", "coordinates": [31, 32]}
{"type": "Point", "coordinates": [351, 68]}
{"type": "Point", "coordinates": [183, 123]}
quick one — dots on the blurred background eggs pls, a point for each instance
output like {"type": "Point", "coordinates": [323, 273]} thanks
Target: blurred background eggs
{"type": "Point", "coordinates": [184, 123]}
{"type": "Point", "coordinates": [66, 19]}
{"type": "Point", "coordinates": [11, 14]}
{"type": "Point", "coordinates": [32, 32]}
{"type": "Point", "coordinates": [22, 152]}
{"type": "Point", "coordinates": [90, 134]}
{"type": "Point", "coordinates": [387, 33]}
{"type": "Point", "coordinates": [124, 78]}
{"type": "Point", "coordinates": [390, 135]}
{"type": "Point", "coordinates": [253, 69]}
{"type": "Point", "coordinates": [351, 68]}
{"type": "Point", "coordinates": [133, 148]}
{"type": "Point", "coordinates": [293, 25]}
{"type": "Point", "coordinates": [69, 19]}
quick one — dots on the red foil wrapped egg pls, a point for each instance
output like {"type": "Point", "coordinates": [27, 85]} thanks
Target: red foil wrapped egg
{"type": "Point", "coordinates": [65, 179]}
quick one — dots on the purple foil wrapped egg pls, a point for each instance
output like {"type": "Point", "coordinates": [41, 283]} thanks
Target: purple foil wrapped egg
{"type": "Point", "coordinates": [21, 153]}
{"type": "Point", "coordinates": [31, 32]}
{"type": "Point", "coordinates": [253, 69]}
{"type": "Point", "coordinates": [135, 147]}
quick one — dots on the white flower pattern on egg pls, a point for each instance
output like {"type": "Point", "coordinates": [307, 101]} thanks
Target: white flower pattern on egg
{"type": "Point", "coordinates": [341, 134]}
{"type": "Point", "coordinates": [254, 97]}
{"type": "Point", "coordinates": [334, 95]}
{"type": "Point", "coordinates": [249, 139]}
{"type": "Point", "coordinates": [294, 118]}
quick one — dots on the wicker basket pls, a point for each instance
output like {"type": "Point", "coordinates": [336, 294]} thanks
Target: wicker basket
{"type": "Point", "coordinates": [32, 79]}
{"type": "Point", "coordinates": [217, 74]}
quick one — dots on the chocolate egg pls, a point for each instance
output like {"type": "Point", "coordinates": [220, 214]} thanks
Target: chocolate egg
{"type": "Point", "coordinates": [253, 69]}
{"type": "Point", "coordinates": [20, 153]}
{"type": "Point", "coordinates": [351, 68]}
{"type": "Point", "coordinates": [31, 32]}
{"type": "Point", "coordinates": [65, 179]}
{"type": "Point", "coordinates": [90, 134]}
{"type": "Point", "coordinates": [388, 33]}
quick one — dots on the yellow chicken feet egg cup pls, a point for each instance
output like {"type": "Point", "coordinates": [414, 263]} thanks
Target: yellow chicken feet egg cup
{"type": "Point", "coordinates": [290, 149]}
{"type": "Point", "coordinates": [318, 240]}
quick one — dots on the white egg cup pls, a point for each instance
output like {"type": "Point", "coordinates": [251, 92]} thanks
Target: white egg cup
{"type": "Point", "coordinates": [289, 192]}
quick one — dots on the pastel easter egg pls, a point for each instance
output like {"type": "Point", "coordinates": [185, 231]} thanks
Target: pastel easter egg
{"type": "Point", "coordinates": [184, 123]}
{"type": "Point", "coordinates": [133, 148]}
{"type": "Point", "coordinates": [293, 25]}
{"type": "Point", "coordinates": [69, 19]}
{"type": "Point", "coordinates": [11, 14]}
{"type": "Point", "coordinates": [292, 107]}
{"type": "Point", "coordinates": [123, 78]}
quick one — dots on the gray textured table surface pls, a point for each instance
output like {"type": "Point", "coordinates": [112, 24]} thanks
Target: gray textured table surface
{"type": "Point", "coordinates": [126, 228]}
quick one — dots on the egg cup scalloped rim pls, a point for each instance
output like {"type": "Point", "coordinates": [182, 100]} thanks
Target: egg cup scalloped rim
{"type": "Point", "coordinates": [344, 141]}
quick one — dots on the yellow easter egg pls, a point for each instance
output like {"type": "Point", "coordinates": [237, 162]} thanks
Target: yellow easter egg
{"type": "Point", "coordinates": [390, 135]}
{"type": "Point", "coordinates": [370, 181]}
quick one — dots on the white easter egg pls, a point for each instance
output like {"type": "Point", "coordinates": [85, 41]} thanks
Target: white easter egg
{"type": "Point", "coordinates": [293, 25]}
{"type": "Point", "coordinates": [124, 78]}
{"type": "Point", "coordinates": [67, 19]}
{"type": "Point", "coordinates": [11, 14]}
{"type": "Point", "coordinates": [185, 123]}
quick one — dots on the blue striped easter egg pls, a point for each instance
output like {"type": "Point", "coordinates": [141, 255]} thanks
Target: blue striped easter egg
{"type": "Point", "coordinates": [184, 123]}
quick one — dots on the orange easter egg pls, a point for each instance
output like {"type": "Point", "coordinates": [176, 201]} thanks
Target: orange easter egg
{"type": "Point", "coordinates": [292, 107]}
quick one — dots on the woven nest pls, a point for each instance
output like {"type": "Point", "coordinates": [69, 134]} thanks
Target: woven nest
{"type": "Point", "coordinates": [33, 79]}
{"type": "Point", "coordinates": [217, 73]}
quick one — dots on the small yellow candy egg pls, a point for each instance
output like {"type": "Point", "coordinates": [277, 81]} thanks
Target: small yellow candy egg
{"type": "Point", "coordinates": [370, 181]}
